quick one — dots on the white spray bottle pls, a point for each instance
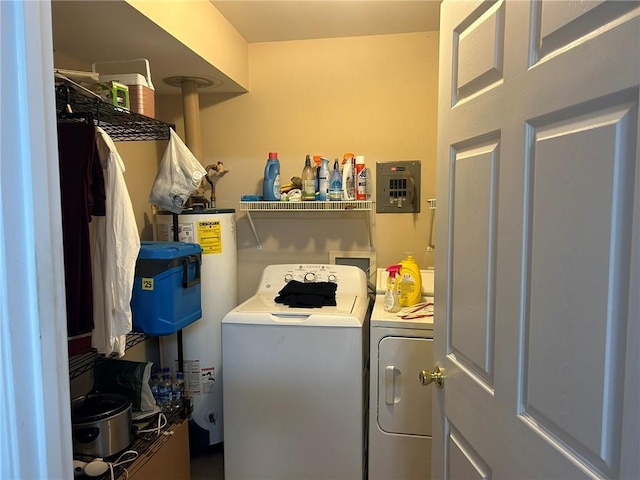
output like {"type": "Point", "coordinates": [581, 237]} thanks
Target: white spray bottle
{"type": "Point", "coordinates": [391, 300]}
{"type": "Point", "coordinates": [348, 177]}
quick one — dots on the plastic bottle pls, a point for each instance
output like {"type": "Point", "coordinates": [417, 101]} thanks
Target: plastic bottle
{"type": "Point", "coordinates": [177, 391]}
{"type": "Point", "coordinates": [391, 301]}
{"type": "Point", "coordinates": [361, 178]}
{"type": "Point", "coordinates": [316, 164]}
{"type": "Point", "coordinates": [369, 183]}
{"type": "Point", "coordinates": [164, 391]}
{"type": "Point", "coordinates": [308, 180]}
{"type": "Point", "coordinates": [154, 383]}
{"type": "Point", "coordinates": [348, 179]}
{"type": "Point", "coordinates": [409, 283]}
{"type": "Point", "coordinates": [335, 184]}
{"type": "Point", "coordinates": [323, 180]}
{"type": "Point", "coordinates": [271, 182]}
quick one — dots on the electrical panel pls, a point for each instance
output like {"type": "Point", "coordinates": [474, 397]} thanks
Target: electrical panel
{"type": "Point", "coordinates": [398, 187]}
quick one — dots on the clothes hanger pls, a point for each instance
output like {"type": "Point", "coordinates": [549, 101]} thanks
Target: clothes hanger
{"type": "Point", "coordinates": [66, 112]}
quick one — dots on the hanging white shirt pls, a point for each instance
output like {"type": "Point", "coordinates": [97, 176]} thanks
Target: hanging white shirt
{"type": "Point", "coordinates": [114, 255]}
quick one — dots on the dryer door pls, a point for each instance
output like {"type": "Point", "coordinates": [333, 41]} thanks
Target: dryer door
{"type": "Point", "coordinates": [404, 406]}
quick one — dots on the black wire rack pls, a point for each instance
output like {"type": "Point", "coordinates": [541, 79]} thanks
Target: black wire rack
{"type": "Point", "coordinates": [83, 362]}
{"type": "Point", "coordinates": [75, 105]}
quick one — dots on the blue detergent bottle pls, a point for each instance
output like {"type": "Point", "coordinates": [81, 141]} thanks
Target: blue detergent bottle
{"type": "Point", "coordinates": [271, 182]}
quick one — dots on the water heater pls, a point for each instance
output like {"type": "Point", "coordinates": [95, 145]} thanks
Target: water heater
{"type": "Point", "coordinates": [215, 231]}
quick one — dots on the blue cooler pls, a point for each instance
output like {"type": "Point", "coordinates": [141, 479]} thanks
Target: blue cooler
{"type": "Point", "coordinates": [166, 291]}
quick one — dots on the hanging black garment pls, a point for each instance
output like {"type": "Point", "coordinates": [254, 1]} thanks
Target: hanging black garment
{"type": "Point", "coordinates": [82, 195]}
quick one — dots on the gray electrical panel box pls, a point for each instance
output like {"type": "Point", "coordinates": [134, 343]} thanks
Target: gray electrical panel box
{"type": "Point", "coordinates": [398, 187]}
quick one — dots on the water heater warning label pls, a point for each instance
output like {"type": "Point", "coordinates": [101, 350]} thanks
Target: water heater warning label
{"type": "Point", "coordinates": [208, 379]}
{"type": "Point", "coordinates": [192, 385]}
{"type": "Point", "coordinates": [210, 237]}
{"type": "Point", "coordinates": [185, 232]}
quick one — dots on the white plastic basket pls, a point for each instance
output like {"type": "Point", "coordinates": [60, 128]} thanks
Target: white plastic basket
{"type": "Point", "coordinates": [128, 78]}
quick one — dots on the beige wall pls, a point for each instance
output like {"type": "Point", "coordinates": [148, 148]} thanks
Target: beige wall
{"type": "Point", "coordinates": [141, 161]}
{"type": "Point", "coordinates": [375, 96]}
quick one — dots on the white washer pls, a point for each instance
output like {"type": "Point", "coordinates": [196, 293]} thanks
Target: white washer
{"type": "Point", "coordinates": [400, 408]}
{"type": "Point", "coordinates": [294, 380]}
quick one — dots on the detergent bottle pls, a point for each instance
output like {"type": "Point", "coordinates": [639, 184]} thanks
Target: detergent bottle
{"type": "Point", "coordinates": [409, 282]}
{"type": "Point", "coordinates": [271, 182]}
{"type": "Point", "coordinates": [391, 301]}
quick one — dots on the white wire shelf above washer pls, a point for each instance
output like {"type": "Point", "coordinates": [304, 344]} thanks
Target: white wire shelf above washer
{"type": "Point", "coordinates": [365, 206]}
{"type": "Point", "coordinates": [324, 206]}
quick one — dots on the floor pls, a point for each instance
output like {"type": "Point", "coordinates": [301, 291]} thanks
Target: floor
{"type": "Point", "coordinates": [208, 464]}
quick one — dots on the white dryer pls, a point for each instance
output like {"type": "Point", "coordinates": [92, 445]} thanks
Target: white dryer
{"type": "Point", "coordinates": [399, 406]}
{"type": "Point", "coordinates": [294, 379]}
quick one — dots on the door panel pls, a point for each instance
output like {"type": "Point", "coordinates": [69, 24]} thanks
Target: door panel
{"type": "Point", "coordinates": [559, 25]}
{"type": "Point", "coordinates": [538, 218]}
{"type": "Point", "coordinates": [402, 401]}
{"type": "Point", "coordinates": [570, 186]}
{"type": "Point", "coordinates": [473, 188]}
{"type": "Point", "coordinates": [479, 47]}
{"type": "Point", "coordinates": [464, 461]}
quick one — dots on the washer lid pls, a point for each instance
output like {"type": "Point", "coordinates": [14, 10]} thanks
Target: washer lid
{"type": "Point", "coordinates": [262, 309]}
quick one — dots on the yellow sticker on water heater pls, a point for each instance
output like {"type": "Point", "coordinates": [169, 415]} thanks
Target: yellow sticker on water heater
{"type": "Point", "coordinates": [147, 283]}
{"type": "Point", "coordinates": [210, 237]}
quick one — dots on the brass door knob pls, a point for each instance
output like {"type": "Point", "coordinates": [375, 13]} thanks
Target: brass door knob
{"type": "Point", "coordinates": [427, 377]}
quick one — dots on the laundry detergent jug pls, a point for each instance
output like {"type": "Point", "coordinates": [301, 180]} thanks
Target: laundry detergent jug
{"type": "Point", "coordinates": [409, 282]}
{"type": "Point", "coordinates": [271, 182]}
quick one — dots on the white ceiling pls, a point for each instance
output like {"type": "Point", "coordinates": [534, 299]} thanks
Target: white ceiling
{"type": "Point", "coordinates": [97, 31]}
{"type": "Point", "coordinates": [272, 21]}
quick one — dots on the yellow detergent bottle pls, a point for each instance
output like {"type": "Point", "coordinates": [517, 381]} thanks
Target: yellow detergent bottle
{"type": "Point", "coordinates": [409, 282]}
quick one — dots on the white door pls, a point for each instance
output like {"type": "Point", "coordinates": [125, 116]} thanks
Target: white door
{"type": "Point", "coordinates": [537, 249]}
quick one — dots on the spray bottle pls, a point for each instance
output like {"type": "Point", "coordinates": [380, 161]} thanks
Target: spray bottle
{"type": "Point", "coordinates": [409, 283]}
{"type": "Point", "coordinates": [348, 177]}
{"type": "Point", "coordinates": [391, 301]}
{"type": "Point", "coordinates": [323, 179]}
{"type": "Point", "coordinates": [335, 183]}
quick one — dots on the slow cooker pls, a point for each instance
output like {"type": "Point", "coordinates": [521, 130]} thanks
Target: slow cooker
{"type": "Point", "coordinates": [101, 424]}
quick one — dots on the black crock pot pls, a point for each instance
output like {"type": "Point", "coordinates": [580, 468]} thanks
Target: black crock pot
{"type": "Point", "coordinates": [101, 424]}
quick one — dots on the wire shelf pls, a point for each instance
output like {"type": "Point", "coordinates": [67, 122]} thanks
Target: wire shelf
{"type": "Point", "coordinates": [74, 105]}
{"type": "Point", "coordinates": [83, 362]}
{"type": "Point", "coordinates": [315, 206]}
